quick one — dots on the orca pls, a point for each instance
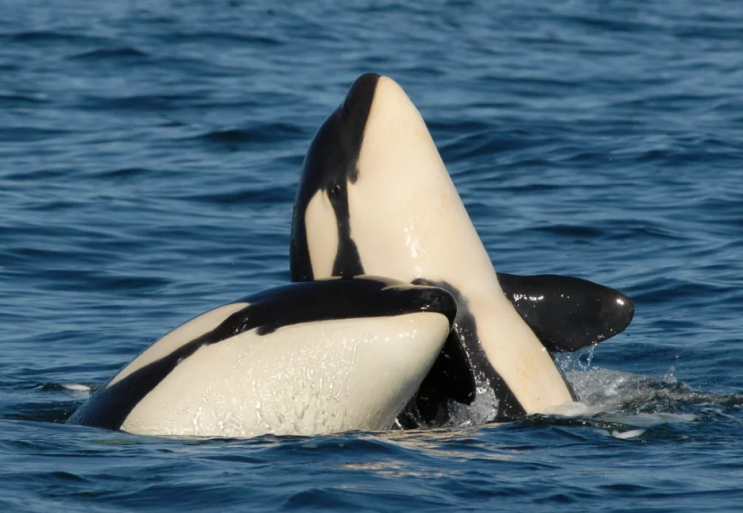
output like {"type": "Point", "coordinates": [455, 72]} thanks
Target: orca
{"type": "Point", "coordinates": [374, 197]}
{"type": "Point", "coordinates": [302, 359]}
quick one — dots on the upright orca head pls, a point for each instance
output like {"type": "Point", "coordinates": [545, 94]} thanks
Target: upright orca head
{"type": "Point", "coordinates": [330, 167]}
{"type": "Point", "coordinates": [375, 198]}
{"type": "Point", "coordinates": [374, 192]}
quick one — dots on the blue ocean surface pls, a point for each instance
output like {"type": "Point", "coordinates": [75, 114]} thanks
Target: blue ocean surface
{"type": "Point", "coordinates": [149, 157]}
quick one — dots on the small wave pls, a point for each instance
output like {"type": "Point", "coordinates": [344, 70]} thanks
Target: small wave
{"type": "Point", "coordinates": [142, 102]}
{"type": "Point", "coordinates": [488, 142]}
{"type": "Point", "coordinates": [123, 173]}
{"type": "Point", "coordinates": [530, 188]}
{"type": "Point", "coordinates": [269, 132]}
{"type": "Point", "coordinates": [565, 230]}
{"type": "Point", "coordinates": [271, 195]}
{"type": "Point", "coordinates": [49, 37]}
{"type": "Point", "coordinates": [66, 279]}
{"type": "Point", "coordinates": [13, 99]}
{"type": "Point", "coordinates": [53, 412]}
{"type": "Point", "coordinates": [226, 37]}
{"type": "Point", "coordinates": [110, 54]}
{"type": "Point", "coordinates": [609, 229]}
{"type": "Point", "coordinates": [37, 175]}
{"type": "Point", "coordinates": [656, 290]}
{"type": "Point", "coordinates": [28, 134]}
{"type": "Point", "coordinates": [608, 24]}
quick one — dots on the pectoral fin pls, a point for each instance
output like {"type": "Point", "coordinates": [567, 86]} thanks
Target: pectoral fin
{"type": "Point", "coordinates": [567, 313]}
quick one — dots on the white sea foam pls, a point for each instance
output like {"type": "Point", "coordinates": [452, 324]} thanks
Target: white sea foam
{"type": "Point", "coordinates": [482, 410]}
{"type": "Point", "coordinates": [620, 397]}
{"type": "Point", "coordinates": [626, 435]}
{"type": "Point", "coordinates": [75, 387]}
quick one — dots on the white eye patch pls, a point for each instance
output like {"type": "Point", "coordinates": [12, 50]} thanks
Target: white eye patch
{"type": "Point", "coordinates": [322, 234]}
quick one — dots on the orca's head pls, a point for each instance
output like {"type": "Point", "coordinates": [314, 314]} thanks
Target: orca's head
{"type": "Point", "coordinates": [372, 182]}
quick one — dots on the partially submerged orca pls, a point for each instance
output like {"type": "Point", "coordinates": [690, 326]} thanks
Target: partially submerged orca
{"type": "Point", "coordinates": [302, 359]}
{"type": "Point", "coordinates": [344, 351]}
{"type": "Point", "coordinates": [375, 197]}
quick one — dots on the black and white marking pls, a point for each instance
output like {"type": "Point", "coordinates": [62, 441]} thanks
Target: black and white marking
{"type": "Point", "coordinates": [375, 197]}
{"type": "Point", "coordinates": [305, 358]}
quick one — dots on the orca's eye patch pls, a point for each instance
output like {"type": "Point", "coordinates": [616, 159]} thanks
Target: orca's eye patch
{"type": "Point", "coordinates": [335, 191]}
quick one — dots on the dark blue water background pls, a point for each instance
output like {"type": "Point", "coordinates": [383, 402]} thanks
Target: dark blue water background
{"type": "Point", "coordinates": [149, 153]}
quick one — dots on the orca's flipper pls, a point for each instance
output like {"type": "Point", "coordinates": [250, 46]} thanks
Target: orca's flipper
{"type": "Point", "coordinates": [567, 313]}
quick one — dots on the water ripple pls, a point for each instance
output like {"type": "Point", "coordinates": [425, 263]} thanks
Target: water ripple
{"type": "Point", "coordinates": [149, 162]}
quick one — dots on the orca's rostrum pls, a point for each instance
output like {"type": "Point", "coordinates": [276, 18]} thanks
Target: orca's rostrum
{"type": "Point", "coordinates": [375, 198]}
{"type": "Point", "coordinates": [301, 359]}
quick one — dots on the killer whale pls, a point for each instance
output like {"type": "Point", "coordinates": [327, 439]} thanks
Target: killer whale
{"type": "Point", "coordinates": [301, 359]}
{"type": "Point", "coordinates": [375, 197]}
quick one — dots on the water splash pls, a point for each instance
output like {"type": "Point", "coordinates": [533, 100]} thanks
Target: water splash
{"type": "Point", "coordinates": [482, 410]}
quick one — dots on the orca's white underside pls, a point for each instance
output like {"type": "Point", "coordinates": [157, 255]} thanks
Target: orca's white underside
{"type": "Point", "coordinates": [304, 379]}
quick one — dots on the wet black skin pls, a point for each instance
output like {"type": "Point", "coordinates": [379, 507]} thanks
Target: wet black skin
{"type": "Point", "coordinates": [565, 313]}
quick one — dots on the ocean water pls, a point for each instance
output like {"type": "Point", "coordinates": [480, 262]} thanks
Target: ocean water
{"type": "Point", "coordinates": [149, 154]}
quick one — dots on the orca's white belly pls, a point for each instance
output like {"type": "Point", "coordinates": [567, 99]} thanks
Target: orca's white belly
{"type": "Point", "coordinates": [302, 379]}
